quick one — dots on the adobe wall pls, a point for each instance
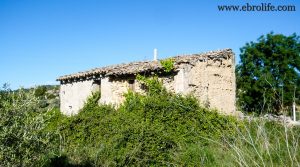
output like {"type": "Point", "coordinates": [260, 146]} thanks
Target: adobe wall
{"type": "Point", "coordinates": [112, 91]}
{"type": "Point", "coordinates": [211, 81]}
{"type": "Point", "coordinates": [74, 95]}
{"type": "Point", "coordinates": [213, 84]}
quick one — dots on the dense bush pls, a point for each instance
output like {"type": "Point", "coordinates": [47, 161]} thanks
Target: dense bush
{"type": "Point", "coordinates": [23, 139]}
{"type": "Point", "coordinates": [165, 129]}
{"type": "Point", "coordinates": [158, 128]}
{"type": "Point", "coordinates": [40, 91]}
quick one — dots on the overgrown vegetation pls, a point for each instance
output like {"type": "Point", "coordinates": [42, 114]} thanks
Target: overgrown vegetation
{"type": "Point", "coordinates": [165, 129]}
{"type": "Point", "coordinates": [158, 128]}
{"type": "Point", "coordinates": [47, 95]}
{"type": "Point", "coordinates": [168, 64]}
{"type": "Point", "coordinates": [24, 140]}
{"type": "Point", "coordinates": [266, 143]}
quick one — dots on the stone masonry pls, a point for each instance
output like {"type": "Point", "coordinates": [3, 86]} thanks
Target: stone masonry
{"type": "Point", "coordinates": [210, 77]}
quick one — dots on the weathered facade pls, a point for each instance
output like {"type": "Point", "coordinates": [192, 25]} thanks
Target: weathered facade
{"type": "Point", "coordinates": [210, 77]}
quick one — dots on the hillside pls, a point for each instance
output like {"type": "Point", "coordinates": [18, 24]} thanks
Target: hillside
{"type": "Point", "coordinates": [48, 95]}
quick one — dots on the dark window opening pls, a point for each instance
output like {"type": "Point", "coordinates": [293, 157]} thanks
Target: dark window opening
{"type": "Point", "coordinates": [97, 85]}
{"type": "Point", "coordinates": [97, 82]}
{"type": "Point", "coordinates": [143, 87]}
{"type": "Point", "coordinates": [131, 84]}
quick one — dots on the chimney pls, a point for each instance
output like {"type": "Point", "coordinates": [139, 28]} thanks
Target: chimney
{"type": "Point", "coordinates": [155, 55]}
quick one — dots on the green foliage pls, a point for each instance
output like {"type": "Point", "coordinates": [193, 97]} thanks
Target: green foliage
{"type": "Point", "coordinates": [23, 139]}
{"type": "Point", "coordinates": [47, 95]}
{"type": "Point", "coordinates": [168, 64]}
{"type": "Point", "coordinates": [152, 84]}
{"type": "Point", "coordinates": [92, 102]}
{"type": "Point", "coordinates": [266, 143]}
{"type": "Point", "coordinates": [147, 130]}
{"type": "Point", "coordinates": [40, 91]}
{"type": "Point", "coordinates": [153, 129]}
{"type": "Point", "coordinates": [268, 77]}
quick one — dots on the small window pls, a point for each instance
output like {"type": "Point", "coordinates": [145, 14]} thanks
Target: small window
{"type": "Point", "coordinates": [131, 84]}
{"type": "Point", "coordinates": [96, 85]}
{"type": "Point", "coordinates": [97, 82]}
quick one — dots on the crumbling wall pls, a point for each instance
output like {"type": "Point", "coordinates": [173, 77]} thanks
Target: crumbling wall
{"type": "Point", "coordinates": [211, 79]}
{"type": "Point", "coordinates": [74, 95]}
{"type": "Point", "coordinates": [113, 90]}
{"type": "Point", "coordinates": [213, 84]}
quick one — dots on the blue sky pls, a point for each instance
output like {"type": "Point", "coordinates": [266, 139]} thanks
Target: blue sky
{"type": "Point", "coordinates": [43, 39]}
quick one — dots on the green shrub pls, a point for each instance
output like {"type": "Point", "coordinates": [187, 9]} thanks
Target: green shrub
{"type": "Point", "coordinates": [23, 139]}
{"type": "Point", "coordinates": [168, 64]}
{"type": "Point", "coordinates": [40, 91]}
{"type": "Point", "coordinates": [147, 130]}
{"type": "Point", "coordinates": [158, 128]}
{"type": "Point", "coordinates": [152, 84]}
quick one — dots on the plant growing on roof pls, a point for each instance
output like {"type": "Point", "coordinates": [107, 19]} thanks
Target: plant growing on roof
{"type": "Point", "coordinates": [168, 64]}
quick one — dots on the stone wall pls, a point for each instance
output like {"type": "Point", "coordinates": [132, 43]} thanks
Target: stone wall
{"type": "Point", "coordinates": [211, 81]}
{"type": "Point", "coordinates": [112, 90]}
{"type": "Point", "coordinates": [213, 84]}
{"type": "Point", "coordinates": [74, 95]}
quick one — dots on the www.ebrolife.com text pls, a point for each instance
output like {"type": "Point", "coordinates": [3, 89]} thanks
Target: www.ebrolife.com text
{"type": "Point", "coordinates": [262, 7]}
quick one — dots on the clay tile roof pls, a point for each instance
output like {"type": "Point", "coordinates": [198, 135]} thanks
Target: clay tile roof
{"type": "Point", "coordinates": [148, 66]}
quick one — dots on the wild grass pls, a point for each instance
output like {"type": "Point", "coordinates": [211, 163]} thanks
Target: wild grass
{"type": "Point", "coordinates": [266, 143]}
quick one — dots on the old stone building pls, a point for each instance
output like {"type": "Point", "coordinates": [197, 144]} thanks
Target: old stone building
{"type": "Point", "coordinates": [210, 77]}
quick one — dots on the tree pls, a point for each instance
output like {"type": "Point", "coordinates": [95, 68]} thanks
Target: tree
{"type": "Point", "coordinates": [40, 91]}
{"type": "Point", "coordinates": [268, 75]}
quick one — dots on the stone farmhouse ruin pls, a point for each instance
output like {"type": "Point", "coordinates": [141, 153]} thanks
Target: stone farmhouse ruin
{"type": "Point", "coordinates": [210, 77]}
